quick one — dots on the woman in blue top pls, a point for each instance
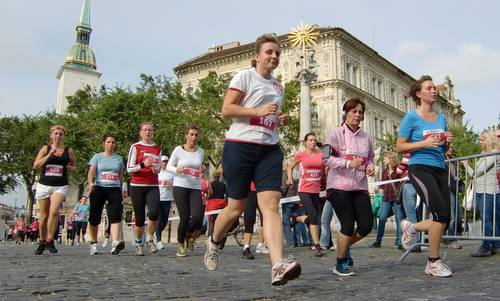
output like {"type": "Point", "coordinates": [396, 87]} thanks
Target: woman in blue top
{"type": "Point", "coordinates": [424, 134]}
{"type": "Point", "coordinates": [105, 181]}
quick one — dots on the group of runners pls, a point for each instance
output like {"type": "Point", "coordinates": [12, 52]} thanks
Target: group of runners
{"type": "Point", "coordinates": [252, 156]}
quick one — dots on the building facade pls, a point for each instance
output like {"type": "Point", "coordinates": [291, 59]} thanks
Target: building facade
{"type": "Point", "coordinates": [347, 68]}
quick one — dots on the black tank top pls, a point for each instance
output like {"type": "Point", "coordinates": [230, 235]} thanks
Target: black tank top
{"type": "Point", "coordinates": [54, 171]}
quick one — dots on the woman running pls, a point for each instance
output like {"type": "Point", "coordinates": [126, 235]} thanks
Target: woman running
{"type": "Point", "coordinates": [311, 171]}
{"type": "Point", "coordinates": [186, 162]}
{"type": "Point", "coordinates": [105, 181]}
{"type": "Point", "coordinates": [252, 152]}
{"type": "Point", "coordinates": [55, 160]}
{"type": "Point", "coordinates": [144, 166]}
{"type": "Point", "coordinates": [81, 213]}
{"type": "Point", "coordinates": [165, 179]}
{"type": "Point", "coordinates": [423, 133]}
{"type": "Point", "coordinates": [350, 163]}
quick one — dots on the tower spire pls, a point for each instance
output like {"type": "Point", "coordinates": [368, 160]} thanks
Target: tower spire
{"type": "Point", "coordinates": [85, 14]}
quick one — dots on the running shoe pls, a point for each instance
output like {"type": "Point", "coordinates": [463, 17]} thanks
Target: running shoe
{"type": "Point", "coordinates": [348, 256]}
{"type": "Point", "coordinates": [182, 251]}
{"type": "Point", "coordinates": [152, 246]}
{"type": "Point", "coordinates": [159, 245]}
{"type": "Point", "coordinates": [139, 250]}
{"type": "Point", "coordinates": [342, 268]}
{"type": "Point", "coordinates": [190, 244]}
{"type": "Point", "coordinates": [247, 253]}
{"type": "Point", "coordinates": [93, 248]}
{"type": "Point", "coordinates": [211, 257]}
{"type": "Point", "coordinates": [318, 252]}
{"type": "Point", "coordinates": [408, 238]}
{"type": "Point", "coordinates": [285, 270]}
{"type": "Point", "coordinates": [77, 244]}
{"type": "Point", "coordinates": [261, 249]}
{"type": "Point", "coordinates": [41, 248]}
{"type": "Point", "coordinates": [117, 246]}
{"type": "Point", "coordinates": [375, 244]}
{"type": "Point", "coordinates": [438, 269]}
{"type": "Point", "coordinates": [105, 243]}
{"type": "Point", "coordinates": [49, 245]}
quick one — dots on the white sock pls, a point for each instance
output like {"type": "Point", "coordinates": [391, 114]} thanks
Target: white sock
{"type": "Point", "coordinates": [259, 245]}
{"type": "Point", "coordinates": [149, 237]}
{"type": "Point", "coordinates": [246, 246]}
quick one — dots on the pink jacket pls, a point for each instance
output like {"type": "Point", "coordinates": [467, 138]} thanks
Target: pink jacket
{"type": "Point", "coordinates": [346, 144]}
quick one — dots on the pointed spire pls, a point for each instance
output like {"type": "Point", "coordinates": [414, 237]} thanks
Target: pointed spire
{"type": "Point", "coordinates": [85, 14]}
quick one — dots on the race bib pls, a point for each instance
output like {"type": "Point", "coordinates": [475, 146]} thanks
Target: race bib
{"type": "Point", "coordinates": [108, 177]}
{"type": "Point", "coordinates": [54, 170]}
{"type": "Point", "coordinates": [191, 172]}
{"type": "Point", "coordinates": [312, 175]}
{"type": "Point", "coordinates": [438, 133]}
{"type": "Point", "coordinates": [264, 122]}
{"type": "Point", "coordinates": [165, 183]}
{"type": "Point", "coordinates": [349, 155]}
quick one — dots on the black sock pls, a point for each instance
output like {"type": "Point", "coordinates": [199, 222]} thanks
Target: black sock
{"type": "Point", "coordinates": [339, 260]}
{"type": "Point", "coordinates": [138, 241]}
{"type": "Point", "coordinates": [213, 241]}
{"type": "Point", "coordinates": [93, 242]}
{"type": "Point", "coordinates": [433, 259]}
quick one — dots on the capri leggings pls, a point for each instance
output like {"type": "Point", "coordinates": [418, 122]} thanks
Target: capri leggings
{"type": "Point", "coordinates": [352, 207]}
{"type": "Point", "coordinates": [114, 207]}
{"type": "Point", "coordinates": [190, 207]}
{"type": "Point", "coordinates": [143, 196]}
{"type": "Point", "coordinates": [431, 184]}
{"type": "Point", "coordinates": [312, 205]}
{"type": "Point", "coordinates": [251, 208]}
{"type": "Point", "coordinates": [81, 227]}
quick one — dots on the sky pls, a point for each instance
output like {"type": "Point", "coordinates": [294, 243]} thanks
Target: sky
{"type": "Point", "coordinates": [457, 38]}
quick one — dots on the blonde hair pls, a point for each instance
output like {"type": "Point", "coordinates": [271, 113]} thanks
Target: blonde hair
{"type": "Point", "coordinates": [393, 157]}
{"type": "Point", "coordinates": [58, 127]}
{"type": "Point", "coordinates": [146, 123]}
{"type": "Point", "coordinates": [490, 140]}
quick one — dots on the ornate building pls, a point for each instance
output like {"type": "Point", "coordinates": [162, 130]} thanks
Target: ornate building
{"type": "Point", "coordinates": [347, 68]}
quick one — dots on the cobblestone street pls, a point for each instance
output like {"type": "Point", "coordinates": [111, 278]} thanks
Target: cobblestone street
{"type": "Point", "coordinates": [73, 274]}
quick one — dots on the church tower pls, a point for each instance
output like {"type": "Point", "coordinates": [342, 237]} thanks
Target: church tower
{"type": "Point", "coordinates": [79, 69]}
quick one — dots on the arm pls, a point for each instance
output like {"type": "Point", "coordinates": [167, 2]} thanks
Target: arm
{"type": "Point", "coordinates": [172, 163]}
{"type": "Point", "coordinates": [289, 170]}
{"type": "Point", "coordinates": [132, 165]}
{"type": "Point", "coordinates": [72, 161]}
{"type": "Point", "coordinates": [486, 164]}
{"type": "Point", "coordinates": [42, 157]}
{"type": "Point", "coordinates": [403, 145]}
{"type": "Point", "coordinates": [91, 177]}
{"type": "Point", "coordinates": [332, 161]}
{"type": "Point", "coordinates": [232, 108]}
{"type": "Point", "coordinates": [370, 168]}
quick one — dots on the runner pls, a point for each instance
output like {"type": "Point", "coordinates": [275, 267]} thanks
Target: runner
{"type": "Point", "coordinates": [424, 133]}
{"type": "Point", "coordinates": [81, 213]}
{"type": "Point", "coordinates": [311, 171]}
{"type": "Point", "coordinates": [105, 181]}
{"type": "Point", "coordinates": [349, 164]}
{"type": "Point", "coordinates": [252, 152]}
{"type": "Point", "coordinates": [55, 160]}
{"type": "Point", "coordinates": [186, 163]}
{"type": "Point", "coordinates": [166, 197]}
{"type": "Point", "coordinates": [144, 166]}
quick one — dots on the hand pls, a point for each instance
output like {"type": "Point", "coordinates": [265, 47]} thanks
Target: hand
{"type": "Point", "coordinates": [370, 171]}
{"type": "Point", "coordinates": [289, 181]}
{"type": "Point", "coordinates": [52, 151]}
{"type": "Point", "coordinates": [431, 141]}
{"type": "Point", "coordinates": [203, 168]}
{"type": "Point", "coordinates": [148, 162]}
{"type": "Point", "coordinates": [125, 194]}
{"type": "Point", "coordinates": [91, 187]}
{"type": "Point", "coordinates": [179, 170]}
{"type": "Point", "coordinates": [168, 184]}
{"type": "Point", "coordinates": [282, 119]}
{"type": "Point", "coordinates": [266, 110]}
{"type": "Point", "coordinates": [449, 137]}
{"type": "Point", "coordinates": [355, 162]}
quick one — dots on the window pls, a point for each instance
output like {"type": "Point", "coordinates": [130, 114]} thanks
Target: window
{"type": "Point", "coordinates": [348, 72]}
{"type": "Point", "coordinates": [393, 97]}
{"type": "Point", "coordinates": [355, 76]}
{"type": "Point", "coordinates": [314, 115]}
{"type": "Point", "coordinates": [377, 132]}
{"type": "Point", "coordinates": [374, 86]}
{"type": "Point", "coordinates": [380, 90]}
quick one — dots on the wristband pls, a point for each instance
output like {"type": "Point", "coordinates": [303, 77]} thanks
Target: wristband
{"type": "Point", "coordinates": [347, 164]}
{"type": "Point", "coordinates": [142, 165]}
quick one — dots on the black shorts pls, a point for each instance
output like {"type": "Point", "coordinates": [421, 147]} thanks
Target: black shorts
{"type": "Point", "coordinates": [431, 184]}
{"type": "Point", "coordinates": [114, 207]}
{"type": "Point", "coordinates": [244, 162]}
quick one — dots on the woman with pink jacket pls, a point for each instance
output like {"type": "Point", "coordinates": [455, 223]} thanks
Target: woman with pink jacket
{"type": "Point", "coordinates": [349, 164]}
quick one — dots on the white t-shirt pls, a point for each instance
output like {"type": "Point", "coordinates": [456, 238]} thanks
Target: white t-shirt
{"type": "Point", "coordinates": [257, 91]}
{"type": "Point", "coordinates": [163, 178]}
{"type": "Point", "coordinates": [192, 162]}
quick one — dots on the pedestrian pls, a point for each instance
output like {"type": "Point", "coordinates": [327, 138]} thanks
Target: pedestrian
{"type": "Point", "coordinates": [105, 182]}
{"type": "Point", "coordinates": [55, 160]}
{"type": "Point", "coordinates": [349, 166]}
{"type": "Point", "coordinates": [217, 200]}
{"type": "Point", "coordinates": [252, 152]}
{"type": "Point", "coordinates": [34, 230]}
{"type": "Point", "coordinates": [81, 213]}
{"type": "Point", "coordinates": [424, 133]}
{"type": "Point", "coordinates": [311, 172]}
{"type": "Point", "coordinates": [143, 166]}
{"type": "Point", "coordinates": [70, 230]}
{"type": "Point", "coordinates": [165, 179]}
{"type": "Point", "coordinates": [186, 163]}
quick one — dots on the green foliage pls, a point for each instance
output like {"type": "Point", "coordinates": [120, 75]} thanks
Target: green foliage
{"type": "Point", "coordinates": [465, 141]}
{"type": "Point", "coordinates": [291, 107]}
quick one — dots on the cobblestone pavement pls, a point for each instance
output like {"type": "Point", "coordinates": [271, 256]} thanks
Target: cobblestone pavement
{"type": "Point", "coordinates": [73, 274]}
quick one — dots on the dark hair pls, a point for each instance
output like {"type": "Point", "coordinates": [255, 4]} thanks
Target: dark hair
{"type": "Point", "coordinates": [351, 104]}
{"type": "Point", "coordinates": [417, 86]}
{"type": "Point", "coordinates": [191, 127]}
{"type": "Point", "coordinates": [270, 37]}
{"type": "Point", "coordinates": [107, 135]}
{"type": "Point", "coordinates": [309, 134]}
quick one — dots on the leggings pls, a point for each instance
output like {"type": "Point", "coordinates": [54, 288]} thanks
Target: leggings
{"type": "Point", "coordinates": [143, 196]}
{"type": "Point", "coordinates": [312, 205]}
{"type": "Point", "coordinates": [189, 205]}
{"type": "Point", "coordinates": [352, 207]}
{"type": "Point", "coordinates": [162, 218]}
{"type": "Point", "coordinates": [81, 227]}
{"type": "Point", "coordinates": [114, 207]}
{"type": "Point", "coordinates": [251, 208]}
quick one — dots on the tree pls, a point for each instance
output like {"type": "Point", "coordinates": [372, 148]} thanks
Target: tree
{"type": "Point", "coordinates": [291, 106]}
{"type": "Point", "coordinates": [465, 140]}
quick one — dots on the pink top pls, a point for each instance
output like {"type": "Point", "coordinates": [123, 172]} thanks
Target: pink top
{"type": "Point", "coordinates": [345, 145]}
{"type": "Point", "coordinates": [311, 170]}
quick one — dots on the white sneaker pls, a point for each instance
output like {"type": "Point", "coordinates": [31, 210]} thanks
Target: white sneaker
{"type": "Point", "coordinates": [152, 246]}
{"type": "Point", "coordinates": [211, 257]}
{"type": "Point", "coordinates": [438, 269]}
{"type": "Point", "coordinates": [93, 249]}
{"type": "Point", "coordinates": [408, 238]}
{"type": "Point", "coordinates": [159, 245]}
{"type": "Point", "coordinates": [261, 249]}
{"type": "Point", "coordinates": [105, 243]}
{"type": "Point", "coordinates": [284, 271]}
{"type": "Point", "coordinates": [117, 246]}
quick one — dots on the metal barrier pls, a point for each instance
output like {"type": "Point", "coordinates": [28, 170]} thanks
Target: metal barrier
{"type": "Point", "coordinates": [467, 214]}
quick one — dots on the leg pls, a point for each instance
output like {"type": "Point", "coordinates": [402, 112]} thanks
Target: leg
{"type": "Point", "coordinates": [153, 203]}
{"type": "Point", "coordinates": [44, 205]}
{"type": "Point", "coordinates": [115, 213]}
{"type": "Point", "coordinates": [326, 219]}
{"type": "Point", "coordinates": [138, 197]}
{"type": "Point", "coordinates": [56, 200]}
{"type": "Point", "coordinates": [398, 215]}
{"type": "Point", "coordinates": [384, 211]}
{"type": "Point", "coordinates": [182, 203]}
{"type": "Point", "coordinates": [409, 202]}
{"type": "Point", "coordinates": [273, 233]}
{"type": "Point", "coordinates": [227, 217]}
{"type": "Point", "coordinates": [286, 211]}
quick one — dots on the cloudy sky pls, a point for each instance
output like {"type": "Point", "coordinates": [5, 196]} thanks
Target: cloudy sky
{"type": "Point", "coordinates": [457, 38]}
